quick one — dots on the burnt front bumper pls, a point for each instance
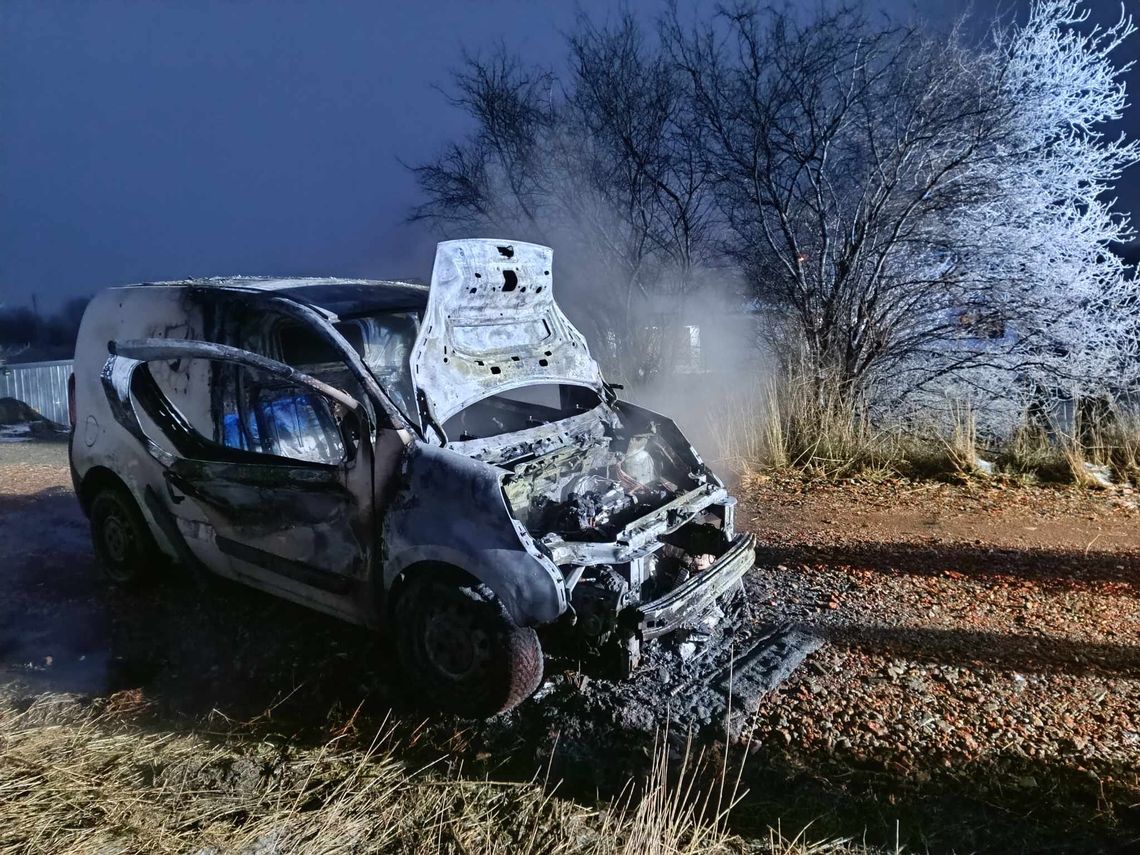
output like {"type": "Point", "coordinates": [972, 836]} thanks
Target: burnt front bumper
{"type": "Point", "coordinates": [692, 599]}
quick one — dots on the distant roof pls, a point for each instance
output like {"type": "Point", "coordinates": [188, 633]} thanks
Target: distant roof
{"type": "Point", "coordinates": [343, 297]}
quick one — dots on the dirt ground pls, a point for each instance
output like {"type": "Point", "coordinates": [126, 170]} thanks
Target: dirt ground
{"type": "Point", "coordinates": [983, 658]}
{"type": "Point", "coordinates": [979, 689]}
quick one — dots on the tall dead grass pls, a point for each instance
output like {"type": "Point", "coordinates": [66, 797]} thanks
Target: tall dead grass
{"type": "Point", "coordinates": [790, 423]}
{"type": "Point", "coordinates": [801, 844]}
{"type": "Point", "coordinates": [952, 448]}
{"type": "Point", "coordinates": [786, 423]}
{"type": "Point", "coordinates": [1096, 451]}
{"type": "Point", "coordinates": [83, 780]}
{"type": "Point", "coordinates": [88, 783]}
{"type": "Point", "coordinates": [1105, 442]}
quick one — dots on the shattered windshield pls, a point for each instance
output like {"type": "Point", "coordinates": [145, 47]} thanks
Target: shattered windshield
{"type": "Point", "coordinates": [384, 341]}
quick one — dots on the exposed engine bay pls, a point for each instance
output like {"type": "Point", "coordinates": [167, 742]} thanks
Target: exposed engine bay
{"type": "Point", "coordinates": [628, 511]}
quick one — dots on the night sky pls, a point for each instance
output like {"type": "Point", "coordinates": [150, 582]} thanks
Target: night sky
{"type": "Point", "coordinates": [158, 140]}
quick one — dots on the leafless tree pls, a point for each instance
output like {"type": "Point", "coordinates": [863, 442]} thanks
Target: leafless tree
{"type": "Point", "coordinates": [843, 155]}
{"type": "Point", "coordinates": [607, 167]}
{"type": "Point", "coordinates": [495, 177]}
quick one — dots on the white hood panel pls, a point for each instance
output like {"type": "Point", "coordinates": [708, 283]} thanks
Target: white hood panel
{"type": "Point", "coordinates": [491, 324]}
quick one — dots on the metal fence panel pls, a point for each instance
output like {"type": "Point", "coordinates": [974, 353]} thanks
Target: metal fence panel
{"type": "Point", "coordinates": [40, 385]}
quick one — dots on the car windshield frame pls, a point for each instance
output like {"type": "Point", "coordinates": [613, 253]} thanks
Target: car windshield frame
{"type": "Point", "coordinates": [374, 344]}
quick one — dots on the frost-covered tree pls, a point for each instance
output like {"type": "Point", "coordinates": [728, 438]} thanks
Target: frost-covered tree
{"type": "Point", "coordinates": [1056, 312]}
{"type": "Point", "coordinates": [916, 213]}
{"type": "Point", "coordinates": [1057, 211]}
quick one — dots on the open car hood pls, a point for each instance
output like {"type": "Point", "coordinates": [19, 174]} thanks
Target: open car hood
{"type": "Point", "coordinates": [491, 325]}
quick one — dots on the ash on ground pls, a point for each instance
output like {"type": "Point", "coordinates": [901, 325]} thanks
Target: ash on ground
{"type": "Point", "coordinates": [701, 684]}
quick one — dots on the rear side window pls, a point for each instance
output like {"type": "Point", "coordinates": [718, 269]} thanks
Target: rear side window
{"type": "Point", "coordinates": [283, 421]}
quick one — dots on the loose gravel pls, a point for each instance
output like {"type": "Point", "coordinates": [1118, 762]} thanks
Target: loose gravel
{"type": "Point", "coordinates": [984, 645]}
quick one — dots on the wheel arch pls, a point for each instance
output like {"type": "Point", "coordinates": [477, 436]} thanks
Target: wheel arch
{"type": "Point", "coordinates": [400, 581]}
{"type": "Point", "coordinates": [515, 578]}
{"type": "Point", "coordinates": [97, 479]}
{"type": "Point", "coordinates": [451, 509]}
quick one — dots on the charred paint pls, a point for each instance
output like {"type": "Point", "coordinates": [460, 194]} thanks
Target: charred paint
{"type": "Point", "coordinates": [651, 545]}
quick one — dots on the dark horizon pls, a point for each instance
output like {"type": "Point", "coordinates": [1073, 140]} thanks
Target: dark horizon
{"type": "Point", "coordinates": [146, 142]}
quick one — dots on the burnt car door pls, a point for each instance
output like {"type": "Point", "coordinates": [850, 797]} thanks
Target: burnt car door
{"type": "Point", "coordinates": [267, 470]}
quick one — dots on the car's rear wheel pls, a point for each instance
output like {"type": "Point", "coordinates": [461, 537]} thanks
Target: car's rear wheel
{"type": "Point", "coordinates": [460, 648]}
{"type": "Point", "coordinates": [123, 543]}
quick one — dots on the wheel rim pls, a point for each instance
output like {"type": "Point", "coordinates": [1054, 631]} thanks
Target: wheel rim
{"type": "Point", "coordinates": [117, 538]}
{"type": "Point", "coordinates": [454, 643]}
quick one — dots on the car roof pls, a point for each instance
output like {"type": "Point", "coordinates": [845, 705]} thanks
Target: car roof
{"type": "Point", "coordinates": [345, 298]}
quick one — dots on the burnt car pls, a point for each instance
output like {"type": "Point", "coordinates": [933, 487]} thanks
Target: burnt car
{"type": "Point", "coordinates": [443, 463]}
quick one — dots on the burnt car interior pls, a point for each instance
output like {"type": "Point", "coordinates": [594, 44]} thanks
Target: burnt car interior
{"type": "Point", "coordinates": [246, 411]}
{"type": "Point", "coordinates": [249, 411]}
{"type": "Point", "coordinates": [268, 416]}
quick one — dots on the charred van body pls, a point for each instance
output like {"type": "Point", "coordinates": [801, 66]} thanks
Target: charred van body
{"type": "Point", "coordinates": [443, 462]}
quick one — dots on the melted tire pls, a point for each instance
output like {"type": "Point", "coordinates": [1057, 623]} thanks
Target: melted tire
{"type": "Point", "coordinates": [505, 665]}
{"type": "Point", "coordinates": [123, 544]}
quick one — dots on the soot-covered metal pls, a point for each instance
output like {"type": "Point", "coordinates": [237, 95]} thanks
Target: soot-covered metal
{"type": "Point", "coordinates": [447, 461]}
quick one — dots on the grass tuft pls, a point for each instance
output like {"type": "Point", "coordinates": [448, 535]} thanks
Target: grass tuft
{"type": "Point", "coordinates": [82, 780]}
{"type": "Point", "coordinates": [790, 423]}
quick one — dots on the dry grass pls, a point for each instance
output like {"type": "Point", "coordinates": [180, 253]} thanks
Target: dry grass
{"type": "Point", "coordinates": [744, 428]}
{"type": "Point", "coordinates": [87, 781]}
{"type": "Point", "coordinates": [1099, 450]}
{"type": "Point", "coordinates": [801, 844]}
{"type": "Point", "coordinates": [793, 424]}
{"type": "Point", "coordinates": [780, 424]}
{"type": "Point", "coordinates": [962, 444]}
{"type": "Point", "coordinates": [823, 435]}
{"type": "Point", "coordinates": [1079, 469]}
{"type": "Point", "coordinates": [1031, 453]}
{"type": "Point", "coordinates": [1107, 440]}
{"type": "Point", "coordinates": [1121, 439]}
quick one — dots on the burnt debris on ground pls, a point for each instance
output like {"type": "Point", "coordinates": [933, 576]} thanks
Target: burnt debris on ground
{"type": "Point", "coordinates": [701, 687]}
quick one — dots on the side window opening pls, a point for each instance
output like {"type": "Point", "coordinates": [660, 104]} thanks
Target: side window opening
{"type": "Point", "coordinates": [228, 407]}
{"type": "Point", "coordinates": [283, 420]}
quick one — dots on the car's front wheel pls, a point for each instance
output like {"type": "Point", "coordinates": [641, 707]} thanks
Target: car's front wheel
{"type": "Point", "coordinates": [460, 648]}
{"type": "Point", "coordinates": [123, 542]}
